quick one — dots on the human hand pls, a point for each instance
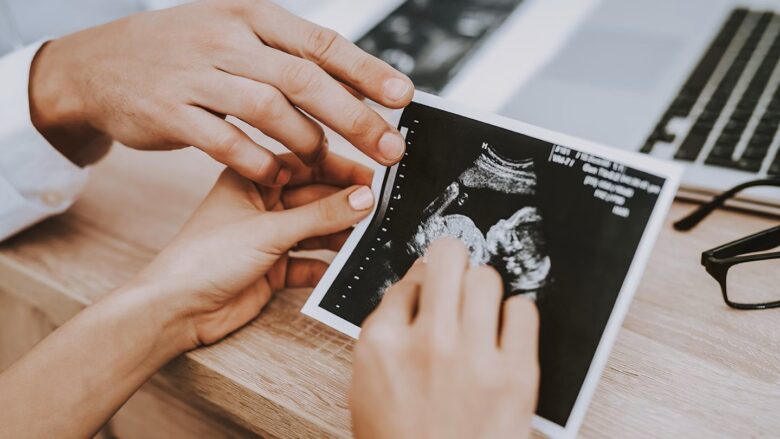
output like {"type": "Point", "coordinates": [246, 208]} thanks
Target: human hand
{"type": "Point", "coordinates": [166, 79]}
{"type": "Point", "coordinates": [441, 357]}
{"type": "Point", "coordinates": [223, 266]}
{"type": "Point", "coordinates": [215, 276]}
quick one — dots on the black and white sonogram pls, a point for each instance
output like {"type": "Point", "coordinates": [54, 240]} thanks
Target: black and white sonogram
{"type": "Point", "coordinates": [559, 225]}
{"type": "Point", "coordinates": [513, 245]}
{"type": "Point", "coordinates": [430, 39]}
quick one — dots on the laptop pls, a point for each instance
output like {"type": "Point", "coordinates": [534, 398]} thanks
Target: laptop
{"type": "Point", "coordinates": [695, 81]}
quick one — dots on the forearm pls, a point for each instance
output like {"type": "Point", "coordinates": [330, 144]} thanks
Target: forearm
{"type": "Point", "coordinates": [72, 382]}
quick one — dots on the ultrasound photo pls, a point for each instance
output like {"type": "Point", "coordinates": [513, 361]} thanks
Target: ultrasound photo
{"type": "Point", "coordinates": [561, 226]}
{"type": "Point", "coordinates": [430, 39]}
{"type": "Point", "coordinates": [512, 243]}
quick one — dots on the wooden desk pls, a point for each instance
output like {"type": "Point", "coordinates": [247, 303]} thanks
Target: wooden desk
{"type": "Point", "coordinates": [684, 365]}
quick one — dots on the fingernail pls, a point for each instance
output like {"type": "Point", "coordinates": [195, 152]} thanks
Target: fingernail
{"type": "Point", "coordinates": [283, 177]}
{"type": "Point", "coordinates": [391, 146]}
{"type": "Point", "coordinates": [395, 89]}
{"type": "Point", "coordinates": [361, 199]}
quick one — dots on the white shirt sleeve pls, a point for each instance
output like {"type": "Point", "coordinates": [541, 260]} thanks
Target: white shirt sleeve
{"type": "Point", "coordinates": [36, 181]}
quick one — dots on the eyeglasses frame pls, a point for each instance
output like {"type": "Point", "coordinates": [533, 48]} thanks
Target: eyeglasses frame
{"type": "Point", "coordinates": [717, 261]}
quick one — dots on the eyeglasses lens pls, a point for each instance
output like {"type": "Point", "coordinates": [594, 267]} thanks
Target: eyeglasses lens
{"type": "Point", "coordinates": [753, 283]}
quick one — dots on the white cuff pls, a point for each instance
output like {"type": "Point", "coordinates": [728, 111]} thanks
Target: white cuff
{"type": "Point", "coordinates": [36, 181]}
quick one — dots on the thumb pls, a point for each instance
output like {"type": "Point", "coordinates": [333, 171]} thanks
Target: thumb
{"type": "Point", "coordinates": [325, 216]}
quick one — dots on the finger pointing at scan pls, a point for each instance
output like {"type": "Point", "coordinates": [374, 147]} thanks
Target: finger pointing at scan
{"type": "Point", "coordinates": [447, 260]}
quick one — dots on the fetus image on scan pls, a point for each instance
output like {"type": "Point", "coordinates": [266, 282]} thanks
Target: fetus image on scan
{"type": "Point", "coordinates": [490, 207]}
{"type": "Point", "coordinates": [513, 245]}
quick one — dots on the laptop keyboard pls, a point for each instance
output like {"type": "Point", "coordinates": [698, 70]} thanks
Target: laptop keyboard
{"type": "Point", "coordinates": [728, 111]}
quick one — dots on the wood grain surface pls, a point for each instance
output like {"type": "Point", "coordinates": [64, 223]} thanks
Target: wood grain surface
{"type": "Point", "coordinates": [684, 365]}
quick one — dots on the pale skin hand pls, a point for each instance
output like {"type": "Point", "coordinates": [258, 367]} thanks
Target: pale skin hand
{"type": "Point", "coordinates": [216, 275]}
{"type": "Point", "coordinates": [165, 79]}
{"type": "Point", "coordinates": [442, 357]}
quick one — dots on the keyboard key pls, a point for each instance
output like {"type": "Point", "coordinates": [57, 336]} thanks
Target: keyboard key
{"type": "Point", "coordinates": [692, 145]}
{"type": "Point", "coordinates": [746, 105]}
{"type": "Point", "coordinates": [755, 153]}
{"type": "Point", "coordinates": [774, 169]}
{"type": "Point", "coordinates": [716, 104]}
{"type": "Point", "coordinates": [742, 115]}
{"type": "Point", "coordinates": [766, 128]}
{"type": "Point", "coordinates": [743, 164]}
{"type": "Point", "coordinates": [665, 136]}
{"type": "Point", "coordinates": [722, 151]}
{"type": "Point", "coordinates": [750, 165]}
{"type": "Point", "coordinates": [769, 120]}
{"type": "Point", "coordinates": [734, 126]}
{"type": "Point", "coordinates": [729, 138]}
{"type": "Point", "coordinates": [709, 116]}
{"type": "Point", "coordinates": [760, 141]}
{"type": "Point", "coordinates": [725, 162]}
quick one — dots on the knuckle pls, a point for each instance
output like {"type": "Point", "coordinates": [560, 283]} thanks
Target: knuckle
{"type": "Point", "coordinates": [361, 122]}
{"type": "Point", "coordinates": [362, 67]}
{"type": "Point", "coordinates": [266, 104]}
{"type": "Point", "coordinates": [209, 44]}
{"type": "Point", "coordinates": [226, 145]}
{"type": "Point", "coordinates": [326, 211]}
{"type": "Point", "coordinates": [169, 107]}
{"type": "Point", "coordinates": [314, 151]}
{"type": "Point", "coordinates": [320, 44]}
{"type": "Point", "coordinates": [300, 76]}
{"type": "Point", "coordinates": [265, 170]}
{"type": "Point", "coordinates": [212, 42]}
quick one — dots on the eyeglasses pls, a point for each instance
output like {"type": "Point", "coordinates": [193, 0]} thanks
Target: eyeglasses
{"type": "Point", "coordinates": [749, 277]}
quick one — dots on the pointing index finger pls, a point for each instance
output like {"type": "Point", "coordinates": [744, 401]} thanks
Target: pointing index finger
{"type": "Point", "coordinates": [440, 300]}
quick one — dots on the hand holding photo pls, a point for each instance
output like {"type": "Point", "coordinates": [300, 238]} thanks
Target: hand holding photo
{"type": "Point", "coordinates": [565, 222]}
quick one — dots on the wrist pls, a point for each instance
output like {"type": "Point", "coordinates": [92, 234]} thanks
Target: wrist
{"type": "Point", "coordinates": [57, 109]}
{"type": "Point", "coordinates": [171, 333]}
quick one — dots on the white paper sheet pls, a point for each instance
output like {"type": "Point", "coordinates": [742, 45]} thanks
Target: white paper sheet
{"type": "Point", "coordinates": [561, 185]}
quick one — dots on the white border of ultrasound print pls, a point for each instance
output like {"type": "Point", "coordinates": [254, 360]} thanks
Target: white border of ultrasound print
{"type": "Point", "coordinates": [668, 170]}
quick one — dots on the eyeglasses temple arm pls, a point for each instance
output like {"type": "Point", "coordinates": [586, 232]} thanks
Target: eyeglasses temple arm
{"type": "Point", "coordinates": [695, 217]}
{"type": "Point", "coordinates": [691, 220]}
{"type": "Point", "coordinates": [757, 242]}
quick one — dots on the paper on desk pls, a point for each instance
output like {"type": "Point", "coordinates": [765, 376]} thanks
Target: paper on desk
{"type": "Point", "coordinates": [564, 221]}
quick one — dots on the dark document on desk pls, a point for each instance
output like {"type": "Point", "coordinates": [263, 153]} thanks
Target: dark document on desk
{"type": "Point", "coordinates": [560, 223]}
